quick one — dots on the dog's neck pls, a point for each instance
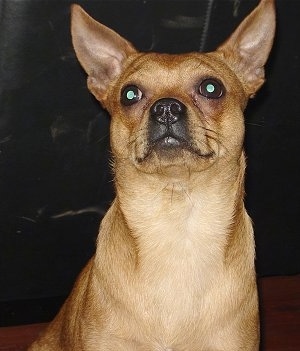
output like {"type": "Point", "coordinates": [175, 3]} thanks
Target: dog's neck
{"type": "Point", "coordinates": [195, 212]}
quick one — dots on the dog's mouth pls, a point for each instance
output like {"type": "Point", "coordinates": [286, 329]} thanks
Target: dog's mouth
{"type": "Point", "coordinates": [169, 141]}
{"type": "Point", "coordinates": [171, 146]}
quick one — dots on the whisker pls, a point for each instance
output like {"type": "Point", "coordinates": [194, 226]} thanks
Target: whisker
{"type": "Point", "coordinates": [254, 124]}
{"type": "Point", "coordinates": [216, 140]}
{"type": "Point", "coordinates": [209, 130]}
{"type": "Point", "coordinates": [106, 136]}
{"type": "Point", "coordinates": [187, 194]}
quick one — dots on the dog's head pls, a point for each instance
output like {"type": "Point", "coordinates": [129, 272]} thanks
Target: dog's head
{"type": "Point", "coordinates": [175, 112]}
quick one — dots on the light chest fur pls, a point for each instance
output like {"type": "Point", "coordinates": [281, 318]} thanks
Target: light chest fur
{"type": "Point", "coordinates": [179, 234]}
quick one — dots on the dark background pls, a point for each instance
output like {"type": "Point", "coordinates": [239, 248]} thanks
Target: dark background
{"type": "Point", "coordinates": [55, 182]}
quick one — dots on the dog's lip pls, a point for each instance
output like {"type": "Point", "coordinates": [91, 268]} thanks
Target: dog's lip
{"type": "Point", "coordinates": [168, 141]}
{"type": "Point", "coordinates": [172, 143]}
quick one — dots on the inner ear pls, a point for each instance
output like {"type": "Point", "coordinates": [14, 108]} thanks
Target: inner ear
{"type": "Point", "coordinates": [101, 51]}
{"type": "Point", "coordinates": [247, 49]}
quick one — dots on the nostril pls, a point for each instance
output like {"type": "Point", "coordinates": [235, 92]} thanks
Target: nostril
{"type": "Point", "coordinates": [176, 108]}
{"type": "Point", "coordinates": [159, 109]}
{"type": "Point", "coordinates": [167, 111]}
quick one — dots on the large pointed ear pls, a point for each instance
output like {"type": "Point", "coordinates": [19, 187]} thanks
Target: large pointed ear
{"type": "Point", "coordinates": [247, 49]}
{"type": "Point", "coordinates": [101, 51]}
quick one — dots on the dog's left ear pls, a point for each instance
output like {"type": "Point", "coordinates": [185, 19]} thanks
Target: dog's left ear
{"type": "Point", "coordinates": [101, 51]}
{"type": "Point", "coordinates": [247, 49]}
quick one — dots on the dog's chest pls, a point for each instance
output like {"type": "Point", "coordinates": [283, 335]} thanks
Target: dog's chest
{"type": "Point", "coordinates": [172, 299]}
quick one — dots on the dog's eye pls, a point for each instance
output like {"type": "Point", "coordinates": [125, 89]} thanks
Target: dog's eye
{"type": "Point", "coordinates": [211, 88]}
{"type": "Point", "coordinates": [130, 95]}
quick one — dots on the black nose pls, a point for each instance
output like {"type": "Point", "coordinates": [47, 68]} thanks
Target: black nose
{"type": "Point", "coordinates": [167, 111]}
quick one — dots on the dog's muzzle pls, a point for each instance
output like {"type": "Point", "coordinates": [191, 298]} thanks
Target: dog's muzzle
{"type": "Point", "coordinates": [168, 124]}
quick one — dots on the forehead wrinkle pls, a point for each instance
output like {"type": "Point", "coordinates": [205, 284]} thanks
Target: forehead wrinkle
{"type": "Point", "coordinates": [202, 65]}
{"type": "Point", "coordinates": [148, 67]}
{"type": "Point", "coordinates": [144, 61]}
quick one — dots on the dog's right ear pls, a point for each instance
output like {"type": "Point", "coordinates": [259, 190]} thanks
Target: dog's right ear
{"type": "Point", "coordinates": [101, 51]}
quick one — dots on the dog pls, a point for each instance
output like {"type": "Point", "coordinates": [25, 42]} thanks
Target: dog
{"type": "Point", "coordinates": [174, 264]}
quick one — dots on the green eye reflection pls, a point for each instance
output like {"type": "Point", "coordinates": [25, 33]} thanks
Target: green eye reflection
{"type": "Point", "coordinates": [211, 88]}
{"type": "Point", "coordinates": [130, 95]}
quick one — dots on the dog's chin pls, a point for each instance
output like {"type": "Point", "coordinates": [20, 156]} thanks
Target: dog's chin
{"type": "Point", "coordinates": [173, 155]}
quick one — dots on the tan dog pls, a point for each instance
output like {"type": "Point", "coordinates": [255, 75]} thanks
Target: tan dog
{"type": "Point", "coordinates": [174, 266]}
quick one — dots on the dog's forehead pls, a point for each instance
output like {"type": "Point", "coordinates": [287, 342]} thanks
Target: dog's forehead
{"type": "Point", "coordinates": [182, 66]}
